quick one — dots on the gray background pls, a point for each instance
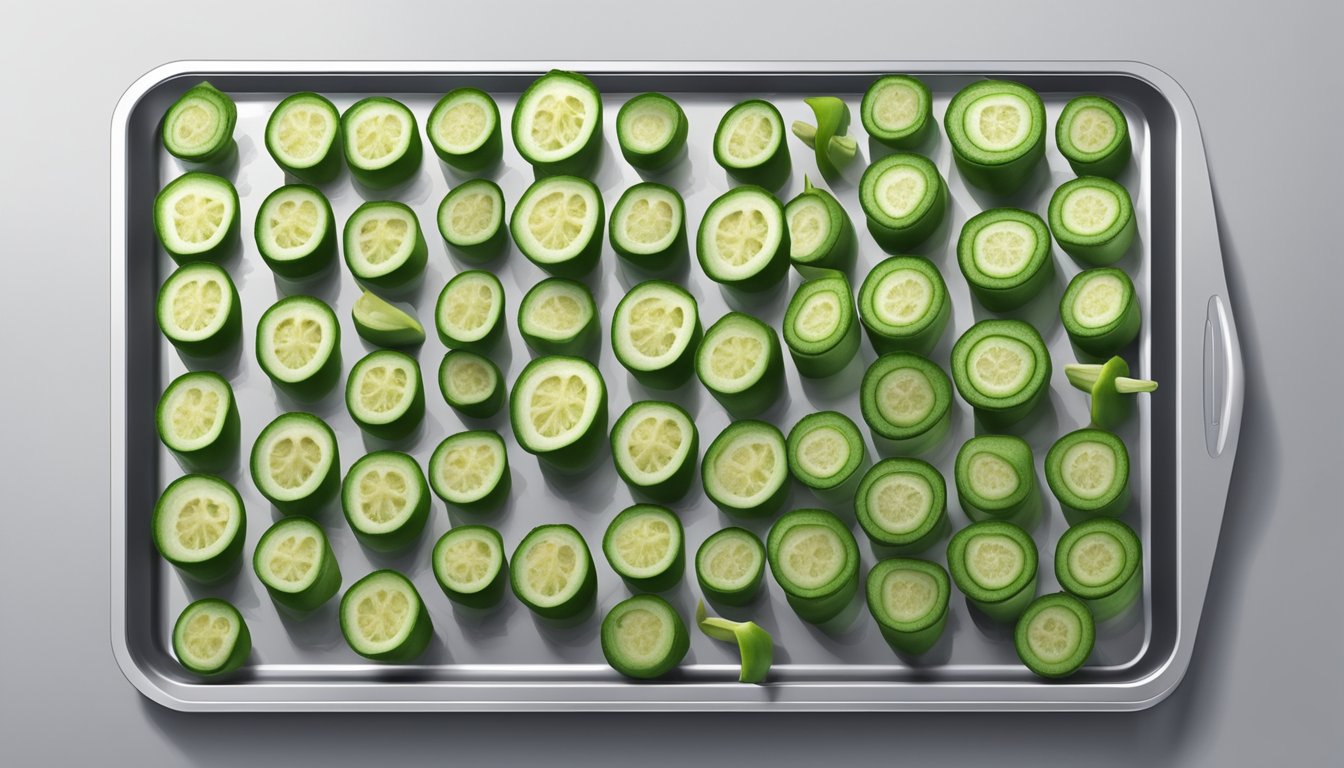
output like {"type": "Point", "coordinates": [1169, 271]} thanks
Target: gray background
{"type": "Point", "coordinates": [1267, 682]}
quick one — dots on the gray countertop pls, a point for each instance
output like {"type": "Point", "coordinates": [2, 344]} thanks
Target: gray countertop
{"type": "Point", "coordinates": [1267, 683]}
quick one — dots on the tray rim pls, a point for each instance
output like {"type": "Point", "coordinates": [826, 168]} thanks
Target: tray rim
{"type": "Point", "coordinates": [1197, 541]}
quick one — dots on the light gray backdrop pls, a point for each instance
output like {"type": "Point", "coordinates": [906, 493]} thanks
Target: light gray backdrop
{"type": "Point", "coordinates": [1267, 683]}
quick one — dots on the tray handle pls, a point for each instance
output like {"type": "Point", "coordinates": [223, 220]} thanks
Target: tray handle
{"type": "Point", "coordinates": [1223, 377]}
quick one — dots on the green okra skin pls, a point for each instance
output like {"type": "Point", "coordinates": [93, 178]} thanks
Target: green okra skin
{"type": "Point", "coordinates": [817, 356]}
{"type": "Point", "coordinates": [754, 645]}
{"type": "Point", "coordinates": [1109, 384]}
{"type": "Point", "coordinates": [884, 100]}
{"type": "Point", "coordinates": [821, 235]}
{"type": "Point", "coordinates": [1093, 136]}
{"type": "Point", "coordinates": [1100, 562]}
{"type": "Point", "coordinates": [1103, 243]}
{"type": "Point", "coordinates": [1053, 615]}
{"type": "Point", "coordinates": [1095, 291]}
{"type": "Point", "coordinates": [324, 585]}
{"type": "Point", "coordinates": [992, 164]}
{"type": "Point", "coordinates": [640, 112]}
{"type": "Point", "coordinates": [1002, 409]}
{"type": "Point", "coordinates": [728, 544]}
{"type": "Point", "coordinates": [1000, 233]}
{"type": "Point", "coordinates": [1088, 471]}
{"type": "Point", "coordinates": [1002, 602]}
{"type": "Point", "coordinates": [909, 599]}
{"type": "Point", "coordinates": [897, 230]}
{"type": "Point", "coordinates": [821, 602]}
{"type": "Point", "coordinates": [985, 487]}
{"type": "Point", "coordinates": [325, 164]}
{"type": "Point", "coordinates": [484, 151]}
{"type": "Point", "coordinates": [897, 276]}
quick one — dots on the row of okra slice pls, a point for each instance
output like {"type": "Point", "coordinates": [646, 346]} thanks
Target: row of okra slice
{"type": "Point", "coordinates": [809, 310]}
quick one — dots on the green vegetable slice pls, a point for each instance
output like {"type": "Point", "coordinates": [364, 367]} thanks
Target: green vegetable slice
{"type": "Point", "coordinates": [296, 463]}
{"type": "Point", "coordinates": [746, 470]}
{"type": "Point", "coordinates": [470, 470]}
{"type": "Point", "coordinates": [815, 560]}
{"type": "Point", "coordinates": [651, 129]}
{"type": "Point", "coordinates": [382, 142]}
{"type": "Point", "coordinates": [558, 223]}
{"type": "Point", "coordinates": [906, 400]}
{"type": "Point", "coordinates": [558, 317]}
{"type": "Point", "coordinates": [197, 419]}
{"type": "Point", "coordinates": [739, 361]}
{"type": "Point", "coordinates": [754, 644]}
{"type": "Point", "coordinates": [644, 637]}
{"type": "Point", "coordinates": [299, 346]}
{"type": "Point", "coordinates": [909, 600]}
{"type": "Point", "coordinates": [749, 144]}
{"type": "Point", "coordinates": [1093, 136]}
{"type": "Point", "coordinates": [1055, 635]}
{"type": "Point", "coordinates": [295, 564]}
{"type": "Point", "coordinates": [472, 384]}
{"type": "Point", "coordinates": [210, 638]}
{"type": "Point", "coordinates": [904, 198]}
{"type": "Point", "coordinates": [470, 566]}
{"type": "Point", "coordinates": [897, 111]}
{"type": "Point", "coordinates": [199, 524]}
{"type": "Point", "coordinates": [198, 127]}
{"type": "Point", "coordinates": [471, 220]}
{"type": "Point", "coordinates": [552, 573]}
{"type": "Point", "coordinates": [1101, 563]}
{"type": "Point", "coordinates": [199, 311]}
{"type": "Point", "coordinates": [378, 322]}
{"type": "Point", "coordinates": [997, 132]}
{"type": "Point", "coordinates": [557, 124]}
{"type": "Point", "coordinates": [821, 236]}
{"type": "Point", "coordinates": [384, 247]}
{"type": "Point", "coordinates": [1002, 368]}
{"type": "Point", "coordinates": [1088, 471]}
{"type": "Point", "coordinates": [655, 446]}
{"type": "Point", "coordinates": [301, 136]}
{"type": "Point", "coordinates": [1093, 220]}
{"type": "Point", "coordinates": [558, 409]}
{"type": "Point", "coordinates": [654, 333]}
{"type": "Point", "coordinates": [730, 565]}
{"type": "Point", "coordinates": [904, 305]}
{"type": "Point", "coordinates": [819, 325]}
{"type": "Point", "coordinates": [827, 454]}
{"type": "Point", "coordinates": [196, 217]}
{"type": "Point", "coordinates": [470, 311]}
{"type": "Point", "coordinates": [996, 478]}
{"type": "Point", "coordinates": [464, 130]}
{"type": "Point", "coordinates": [901, 504]}
{"type": "Point", "coordinates": [1100, 311]}
{"type": "Point", "coordinates": [1004, 253]}
{"type": "Point", "coordinates": [386, 500]}
{"type": "Point", "coordinates": [743, 240]}
{"type": "Point", "coordinates": [385, 394]}
{"type": "Point", "coordinates": [384, 619]}
{"type": "Point", "coordinates": [994, 564]}
{"type": "Point", "coordinates": [648, 227]}
{"type": "Point", "coordinates": [295, 232]}
{"type": "Point", "coordinates": [646, 547]}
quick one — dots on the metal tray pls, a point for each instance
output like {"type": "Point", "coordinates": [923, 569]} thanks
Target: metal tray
{"type": "Point", "coordinates": [1182, 441]}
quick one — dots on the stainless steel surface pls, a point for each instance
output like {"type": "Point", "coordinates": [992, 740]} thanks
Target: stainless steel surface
{"type": "Point", "coordinates": [508, 662]}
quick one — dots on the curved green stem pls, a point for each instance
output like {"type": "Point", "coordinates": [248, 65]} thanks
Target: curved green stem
{"type": "Point", "coordinates": [755, 644]}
